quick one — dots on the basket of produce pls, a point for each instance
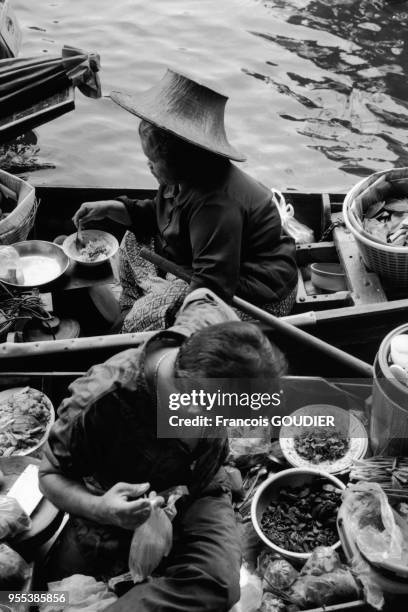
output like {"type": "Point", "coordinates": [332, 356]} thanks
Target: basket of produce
{"type": "Point", "coordinates": [26, 417]}
{"type": "Point", "coordinates": [376, 213]}
{"type": "Point", "coordinates": [18, 207]}
{"type": "Point", "coordinates": [295, 511]}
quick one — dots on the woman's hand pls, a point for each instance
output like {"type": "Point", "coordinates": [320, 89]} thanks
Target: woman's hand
{"type": "Point", "coordinates": [91, 211]}
{"type": "Point", "coordinates": [102, 209]}
{"type": "Point", "coordinates": [119, 507]}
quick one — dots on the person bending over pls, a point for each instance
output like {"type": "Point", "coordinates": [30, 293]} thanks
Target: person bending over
{"type": "Point", "coordinates": [103, 454]}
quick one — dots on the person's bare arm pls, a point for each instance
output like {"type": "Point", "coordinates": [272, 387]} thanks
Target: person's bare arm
{"type": "Point", "coordinates": [102, 209]}
{"type": "Point", "coordinates": [118, 506]}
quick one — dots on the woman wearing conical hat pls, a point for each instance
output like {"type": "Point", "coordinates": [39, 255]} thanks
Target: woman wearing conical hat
{"type": "Point", "coordinates": [208, 216]}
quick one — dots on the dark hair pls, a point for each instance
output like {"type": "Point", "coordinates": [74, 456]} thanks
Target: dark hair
{"type": "Point", "coordinates": [185, 161]}
{"type": "Point", "coordinates": [230, 350]}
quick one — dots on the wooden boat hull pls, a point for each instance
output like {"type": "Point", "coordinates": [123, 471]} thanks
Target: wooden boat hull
{"type": "Point", "coordinates": [355, 320]}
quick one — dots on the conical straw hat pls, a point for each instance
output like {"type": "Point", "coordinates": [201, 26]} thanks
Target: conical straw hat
{"type": "Point", "coordinates": [185, 108]}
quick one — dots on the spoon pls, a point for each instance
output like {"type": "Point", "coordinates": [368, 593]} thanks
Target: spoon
{"type": "Point", "coordinates": [79, 240]}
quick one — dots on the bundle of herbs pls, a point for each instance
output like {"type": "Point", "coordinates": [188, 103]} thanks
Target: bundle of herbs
{"type": "Point", "coordinates": [16, 306]}
{"type": "Point", "coordinates": [302, 518]}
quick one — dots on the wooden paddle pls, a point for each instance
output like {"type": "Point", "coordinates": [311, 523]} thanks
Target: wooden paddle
{"type": "Point", "coordinates": [364, 369]}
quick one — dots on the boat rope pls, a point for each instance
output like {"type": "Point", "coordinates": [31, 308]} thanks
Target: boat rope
{"type": "Point", "coordinates": [336, 223]}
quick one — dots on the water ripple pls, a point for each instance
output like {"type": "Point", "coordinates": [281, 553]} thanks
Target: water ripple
{"type": "Point", "coordinates": [318, 89]}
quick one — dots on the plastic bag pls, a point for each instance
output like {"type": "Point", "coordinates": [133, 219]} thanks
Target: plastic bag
{"type": "Point", "coordinates": [326, 589]}
{"type": "Point", "coordinates": [13, 519]}
{"type": "Point", "coordinates": [84, 592]}
{"type": "Point", "coordinates": [242, 446]}
{"type": "Point", "coordinates": [324, 560]}
{"type": "Point", "coordinates": [14, 571]}
{"type": "Point", "coordinates": [251, 591]}
{"type": "Point", "coordinates": [379, 533]}
{"type": "Point", "coordinates": [279, 574]}
{"type": "Point", "coordinates": [324, 581]}
{"type": "Point", "coordinates": [302, 234]}
{"type": "Point", "coordinates": [150, 543]}
{"type": "Point", "coordinates": [271, 603]}
{"type": "Point", "coordinates": [10, 266]}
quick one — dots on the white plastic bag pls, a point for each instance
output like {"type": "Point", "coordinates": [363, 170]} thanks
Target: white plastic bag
{"type": "Point", "coordinates": [302, 234]}
{"type": "Point", "coordinates": [251, 592]}
{"type": "Point", "coordinates": [13, 519]}
{"type": "Point", "coordinates": [154, 538]}
{"type": "Point", "coordinates": [379, 533]}
{"type": "Point", "coordinates": [85, 594]}
{"type": "Point", "coordinates": [150, 543]}
{"type": "Point", "coordinates": [10, 265]}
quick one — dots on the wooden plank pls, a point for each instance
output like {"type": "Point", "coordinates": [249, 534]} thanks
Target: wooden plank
{"type": "Point", "coordinates": [316, 252]}
{"type": "Point", "coordinates": [36, 114]}
{"type": "Point", "coordinates": [361, 313]}
{"type": "Point", "coordinates": [79, 277]}
{"type": "Point", "coordinates": [365, 286]}
{"type": "Point", "coordinates": [326, 211]}
{"type": "Point", "coordinates": [322, 301]}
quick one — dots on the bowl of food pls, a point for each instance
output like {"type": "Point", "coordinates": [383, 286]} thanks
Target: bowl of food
{"type": "Point", "coordinates": [295, 511]}
{"type": "Point", "coordinates": [36, 263]}
{"type": "Point", "coordinates": [331, 447]}
{"type": "Point", "coordinates": [26, 417]}
{"type": "Point", "coordinates": [98, 247]}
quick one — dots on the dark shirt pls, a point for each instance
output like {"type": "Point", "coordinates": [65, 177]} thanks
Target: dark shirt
{"type": "Point", "coordinates": [228, 235]}
{"type": "Point", "coordinates": [106, 430]}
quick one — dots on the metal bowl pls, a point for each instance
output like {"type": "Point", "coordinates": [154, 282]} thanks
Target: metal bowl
{"type": "Point", "coordinates": [71, 250]}
{"type": "Point", "coordinates": [41, 263]}
{"type": "Point", "coordinates": [268, 491]}
{"type": "Point", "coordinates": [328, 276]}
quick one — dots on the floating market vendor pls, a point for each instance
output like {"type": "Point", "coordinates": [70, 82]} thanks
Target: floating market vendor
{"type": "Point", "coordinates": [103, 450]}
{"type": "Point", "coordinates": [209, 217]}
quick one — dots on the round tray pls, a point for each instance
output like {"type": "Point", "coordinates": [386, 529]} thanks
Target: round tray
{"type": "Point", "coordinates": [357, 435]}
{"type": "Point", "coordinates": [5, 395]}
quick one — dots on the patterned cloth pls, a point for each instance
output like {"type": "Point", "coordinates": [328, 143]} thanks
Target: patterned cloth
{"type": "Point", "coordinates": [279, 309]}
{"type": "Point", "coordinates": [150, 301]}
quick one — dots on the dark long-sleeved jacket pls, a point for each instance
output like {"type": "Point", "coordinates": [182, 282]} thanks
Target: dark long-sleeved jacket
{"type": "Point", "coordinates": [228, 235]}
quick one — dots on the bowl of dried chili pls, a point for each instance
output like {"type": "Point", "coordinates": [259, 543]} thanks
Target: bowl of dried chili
{"type": "Point", "coordinates": [295, 510]}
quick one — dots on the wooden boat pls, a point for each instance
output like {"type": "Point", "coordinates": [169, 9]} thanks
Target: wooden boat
{"type": "Point", "coordinates": [36, 114]}
{"type": "Point", "coordinates": [10, 31]}
{"type": "Point", "coordinates": [355, 319]}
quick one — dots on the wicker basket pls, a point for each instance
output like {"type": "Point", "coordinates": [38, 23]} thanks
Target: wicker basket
{"type": "Point", "coordinates": [18, 223]}
{"type": "Point", "coordinates": [389, 262]}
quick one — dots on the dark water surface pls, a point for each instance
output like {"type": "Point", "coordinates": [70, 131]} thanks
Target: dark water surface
{"type": "Point", "coordinates": [318, 89]}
